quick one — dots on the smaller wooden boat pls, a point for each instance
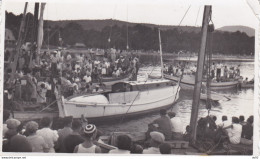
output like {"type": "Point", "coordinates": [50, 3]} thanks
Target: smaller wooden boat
{"type": "Point", "coordinates": [188, 82]}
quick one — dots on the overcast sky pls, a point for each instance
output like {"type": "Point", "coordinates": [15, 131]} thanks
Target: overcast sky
{"type": "Point", "coordinates": [161, 12]}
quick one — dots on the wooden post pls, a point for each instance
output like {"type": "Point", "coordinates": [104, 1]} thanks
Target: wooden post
{"type": "Point", "coordinates": [199, 74]}
{"type": "Point", "coordinates": [35, 22]}
{"type": "Point", "coordinates": [40, 34]}
{"type": "Point", "coordinates": [18, 46]}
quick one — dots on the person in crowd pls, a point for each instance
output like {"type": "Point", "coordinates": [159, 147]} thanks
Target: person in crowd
{"type": "Point", "coordinates": [247, 129]}
{"type": "Point", "coordinates": [165, 148]}
{"type": "Point", "coordinates": [242, 120]}
{"type": "Point", "coordinates": [6, 116]}
{"type": "Point", "coordinates": [224, 122]}
{"type": "Point", "coordinates": [136, 149]}
{"type": "Point", "coordinates": [187, 134]}
{"type": "Point", "coordinates": [245, 81]}
{"type": "Point", "coordinates": [124, 143]}
{"type": "Point", "coordinates": [212, 123]}
{"type": "Point", "coordinates": [14, 126]}
{"type": "Point", "coordinates": [88, 146]}
{"type": "Point", "coordinates": [19, 143]}
{"type": "Point", "coordinates": [41, 93]}
{"type": "Point", "coordinates": [87, 78]}
{"type": "Point", "coordinates": [164, 124]}
{"type": "Point", "coordinates": [177, 126]}
{"type": "Point", "coordinates": [157, 139]}
{"type": "Point", "coordinates": [225, 73]}
{"type": "Point", "coordinates": [213, 68]}
{"type": "Point", "coordinates": [97, 89]}
{"type": "Point", "coordinates": [73, 139]}
{"type": "Point", "coordinates": [37, 142]}
{"type": "Point", "coordinates": [50, 136]}
{"type": "Point", "coordinates": [63, 133]}
{"type": "Point", "coordinates": [219, 66]}
{"type": "Point", "coordinates": [235, 131]}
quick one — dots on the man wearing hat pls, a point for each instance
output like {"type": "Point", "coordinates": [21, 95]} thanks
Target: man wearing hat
{"type": "Point", "coordinates": [157, 139]}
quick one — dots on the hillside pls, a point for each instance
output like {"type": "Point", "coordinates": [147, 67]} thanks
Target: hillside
{"type": "Point", "coordinates": [98, 25]}
{"type": "Point", "coordinates": [249, 31]}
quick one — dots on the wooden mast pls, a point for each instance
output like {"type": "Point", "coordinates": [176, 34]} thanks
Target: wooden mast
{"type": "Point", "coordinates": [160, 51]}
{"type": "Point", "coordinates": [199, 73]}
{"type": "Point", "coordinates": [40, 33]}
{"type": "Point", "coordinates": [19, 44]}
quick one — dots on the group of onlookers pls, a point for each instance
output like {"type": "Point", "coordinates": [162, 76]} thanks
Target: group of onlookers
{"type": "Point", "coordinates": [75, 137]}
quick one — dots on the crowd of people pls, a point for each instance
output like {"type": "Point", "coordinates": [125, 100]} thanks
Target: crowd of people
{"type": "Point", "coordinates": [75, 137]}
{"type": "Point", "coordinates": [71, 73]}
{"type": "Point", "coordinates": [218, 71]}
{"type": "Point", "coordinates": [235, 132]}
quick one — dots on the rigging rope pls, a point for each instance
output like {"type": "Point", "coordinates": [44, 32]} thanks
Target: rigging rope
{"type": "Point", "coordinates": [184, 15]}
{"type": "Point", "coordinates": [197, 16]}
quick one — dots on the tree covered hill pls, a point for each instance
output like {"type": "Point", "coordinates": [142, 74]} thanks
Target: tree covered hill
{"type": "Point", "coordinates": [113, 33]}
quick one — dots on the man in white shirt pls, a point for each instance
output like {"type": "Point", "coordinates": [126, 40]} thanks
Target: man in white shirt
{"type": "Point", "coordinates": [219, 66]}
{"type": "Point", "coordinates": [177, 126]}
{"type": "Point", "coordinates": [224, 122]}
{"type": "Point", "coordinates": [87, 78]}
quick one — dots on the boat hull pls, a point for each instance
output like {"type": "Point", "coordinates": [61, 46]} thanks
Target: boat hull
{"type": "Point", "coordinates": [188, 83]}
{"type": "Point", "coordinates": [144, 102]}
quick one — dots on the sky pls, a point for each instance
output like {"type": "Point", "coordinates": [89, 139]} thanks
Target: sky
{"type": "Point", "coordinates": [161, 12]}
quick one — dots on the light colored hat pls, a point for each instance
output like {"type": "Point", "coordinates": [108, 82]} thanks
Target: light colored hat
{"type": "Point", "coordinates": [12, 123]}
{"type": "Point", "coordinates": [89, 129]}
{"type": "Point", "coordinates": [157, 136]}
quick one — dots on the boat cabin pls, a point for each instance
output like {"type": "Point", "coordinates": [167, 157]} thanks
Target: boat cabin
{"type": "Point", "coordinates": [130, 86]}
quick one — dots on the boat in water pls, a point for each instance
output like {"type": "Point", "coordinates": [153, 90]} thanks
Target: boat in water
{"type": "Point", "coordinates": [127, 98]}
{"type": "Point", "coordinates": [188, 82]}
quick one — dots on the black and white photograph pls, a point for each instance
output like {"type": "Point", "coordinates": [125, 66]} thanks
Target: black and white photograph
{"type": "Point", "coordinates": [129, 77]}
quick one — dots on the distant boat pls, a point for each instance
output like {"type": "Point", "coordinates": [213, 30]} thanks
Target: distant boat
{"type": "Point", "coordinates": [188, 82]}
{"type": "Point", "coordinates": [126, 98]}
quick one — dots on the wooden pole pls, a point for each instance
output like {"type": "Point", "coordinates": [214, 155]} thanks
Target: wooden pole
{"type": "Point", "coordinates": [199, 74]}
{"type": "Point", "coordinates": [40, 34]}
{"type": "Point", "coordinates": [160, 42]}
{"type": "Point", "coordinates": [19, 44]}
{"type": "Point", "coordinates": [35, 22]}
